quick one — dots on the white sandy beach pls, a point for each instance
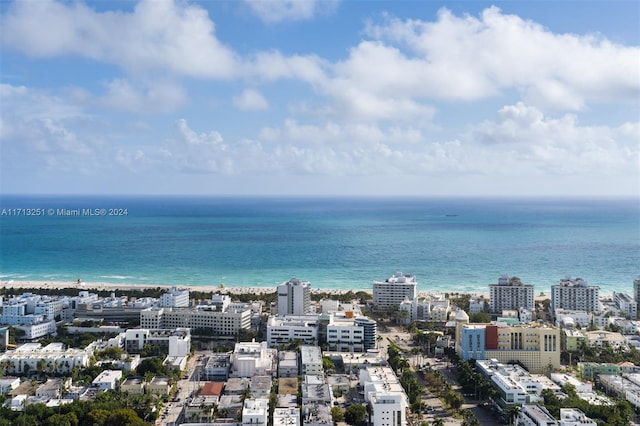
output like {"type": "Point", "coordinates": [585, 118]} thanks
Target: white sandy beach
{"type": "Point", "coordinates": [103, 286]}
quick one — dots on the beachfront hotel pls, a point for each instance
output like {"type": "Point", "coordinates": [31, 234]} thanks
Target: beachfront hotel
{"type": "Point", "coordinates": [576, 295]}
{"type": "Point", "coordinates": [510, 294]}
{"type": "Point", "coordinates": [174, 298]}
{"type": "Point", "coordinates": [393, 291]}
{"type": "Point", "coordinates": [294, 297]}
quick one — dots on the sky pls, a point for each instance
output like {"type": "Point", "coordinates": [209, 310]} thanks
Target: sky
{"type": "Point", "coordinates": [303, 97]}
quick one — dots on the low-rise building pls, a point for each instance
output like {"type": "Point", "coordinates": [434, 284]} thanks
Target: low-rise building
{"type": "Point", "coordinates": [133, 386]}
{"type": "Point", "coordinates": [310, 361]}
{"type": "Point", "coordinates": [286, 416]}
{"type": "Point", "coordinates": [535, 415]}
{"type": "Point", "coordinates": [159, 385]}
{"type": "Point", "coordinates": [255, 412]}
{"type": "Point", "coordinates": [252, 359]}
{"type": "Point", "coordinates": [174, 342]}
{"type": "Point", "coordinates": [55, 357]}
{"type": "Point", "coordinates": [8, 383]}
{"type": "Point", "coordinates": [108, 379]}
{"type": "Point", "coordinates": [575, 417]}
{"type": "Point", "coordinates": [217, 367]}
{"type": "Point", "coordinates": [287, 364]}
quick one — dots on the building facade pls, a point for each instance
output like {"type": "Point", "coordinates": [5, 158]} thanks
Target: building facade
{"type": "Point", "coordinates": [393, 291]}
{"type": "Point", "coordinates": [575, 294]}
{"type": "Point", "coordinates": [536, 346]}
{"type": "Point", "coordinates": [174, 298]}
{"type": "Point", "coordinates": [510, 294]}
{"type": "Point", "coordinates": [294, 297]}
{"type": "Point", "coordinates": [200, 319]}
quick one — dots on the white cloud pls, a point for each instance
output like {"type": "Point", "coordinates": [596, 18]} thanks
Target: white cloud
{"type": "Point", "coordinates": [475, 57]}
{"type": "Point", "coordinates": [158, 34]}
{"type": "Point", "coordinates": [142, 98]}
{"type": "Point", "coordinates": [249, 100]}
{"type": "Point", "coordinates": [276, 11]}
{"type": "Point", "coordinates": [527, 139]}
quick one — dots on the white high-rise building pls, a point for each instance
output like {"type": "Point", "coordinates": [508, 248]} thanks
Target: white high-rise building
{"type": "Point", "coordinates": [636, 289]}
{"type": "Point", "coordinates": [294, 297]}
{"type": "Point", "coordinates": [175, 298]}
{"type": "Point", "coordinates": [510, 294]}
{"type": "Point", "coordinates": [575, 294]}
{"type": "Point", "coordinates": [393, 291]}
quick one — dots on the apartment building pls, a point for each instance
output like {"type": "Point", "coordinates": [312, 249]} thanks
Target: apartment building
{"type": "Point", "coordinates": [199, 319]}
{"type": "Point", "coordinates": [174, 298]}
{"type": "Point", "coordinates": [510, 294]}
{"type": "Point", "coordinates": [575, 294]}
{"type": "Point", "coordinates": [294, 297]}
{"type": "Point", "coordinates": [393, 291]}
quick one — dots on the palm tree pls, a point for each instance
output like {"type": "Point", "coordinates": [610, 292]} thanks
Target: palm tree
{"type": "Point", "coordinates": [512, 412]}
{"type": "Point", "coordinates": [246, 394]}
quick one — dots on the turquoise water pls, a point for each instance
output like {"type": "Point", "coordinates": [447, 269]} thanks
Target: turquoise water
{"type": "Point", "coordinates": [338, 243]}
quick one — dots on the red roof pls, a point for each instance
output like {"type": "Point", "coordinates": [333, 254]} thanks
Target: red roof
{"type": "Point", "coordinates": [211, 388]}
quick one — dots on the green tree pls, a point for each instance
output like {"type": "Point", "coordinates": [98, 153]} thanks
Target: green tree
{"type": "Point", "coordinates": [479, 318]}
{"type": "Point", "coordinates": [153, 366]}
{"type": "Point", "coordinates": [98, 417]}
{"type": "Point", "coordinates": [337, 414]}
{"type": "Point", "coordinates": [327, 364]}
{"type": "Point", "coordinates": [125, 417]}
{"type": "Point", "coordinates": [453, 399]}
{"type": "Point", "coordinates": [355, 414]}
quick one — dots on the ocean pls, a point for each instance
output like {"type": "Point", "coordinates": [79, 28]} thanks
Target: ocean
{"type": "Point", "coordinates": [449, 244]}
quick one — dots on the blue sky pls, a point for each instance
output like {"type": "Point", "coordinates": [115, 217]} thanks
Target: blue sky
{"type": "Point", "coordinates": [326, 98]}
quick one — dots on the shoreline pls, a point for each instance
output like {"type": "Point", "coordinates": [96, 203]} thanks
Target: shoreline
{"type": "Point", "coordinates": [105, 286]}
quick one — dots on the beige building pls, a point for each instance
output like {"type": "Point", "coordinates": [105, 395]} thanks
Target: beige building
{"type": "Point", "coordinates": [159, 386]}
{"type": "Point", "coordinates": [536, 346]}
{"type": "Point", "coordinates": [133, 386]}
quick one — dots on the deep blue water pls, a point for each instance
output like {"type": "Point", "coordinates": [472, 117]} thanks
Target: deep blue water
{"type": "Point", "coordinates": [343, 243]}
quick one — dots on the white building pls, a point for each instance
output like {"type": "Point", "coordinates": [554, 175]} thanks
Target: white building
{"type": "Point", "coordinates": [217, 367]}
{"type": "Point", "coordinates": [252, 359]}
{"type": "Point", "coordinates": [8, 383]}
{"type": "Point", "coordinates": [571, 318]}
{"type": "Point", "coordinates": [282, 330]}
{"type": "Point", "coordinates": [535, 415]}
{"type": "Point", "coordinates": [477, 304]}
{"type": "Point", "coordinates": [626, 304]}
{"type": "Point", "coordinates": [562, 379]}
{"type": "Point", "coordinates": [510, 294]}
{"type": "Point", "coordinates": [57, 358]}
{"type": "Point", "coordinates": [108, 379]}
{"type": "Point", "coordinates": [575, 417]}
{"type": "Point", "coordinates": [311, 361]}
{"type": "Point", "coordinates": [289, 416]}
{"type": "Point", "coordinates": [202, 318]}
{"type": "Point", "coordinates": [288, 364]}
{"type": "Point", "coordinates": [575, 294]}
{"type": "Point", "coordinates": [388, 409]}
{"type": "Point", "coordinates": [386, 398]}
{"type": "Point", "coordinates": [513, 383]}
{"type": "Point", "coordinates": [294, 297]}
{"type": "Point", "coordinates": [393, 291]}
{"type": "Point", "coordinates": [175, 298]}
{"type": "Point", "coordinates": [434, 307]}
{"type": "Point", "coordinates": [600, 338]}
{"type": "Point", "coordinates": [176, 342]}
{"type": "Point", "coordinates": [255, 412]}
{"type": "Point", "coordinates": [35, 331]}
